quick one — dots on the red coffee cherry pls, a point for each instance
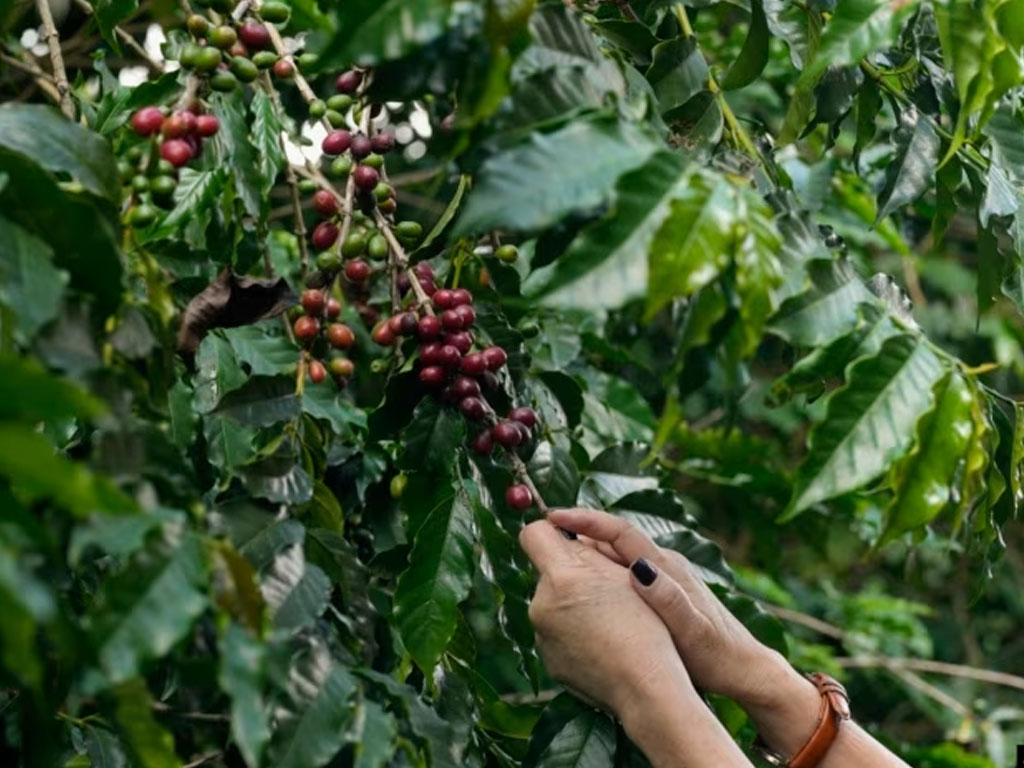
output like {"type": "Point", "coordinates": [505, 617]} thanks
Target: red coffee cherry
{"type": "Point", "coordinates": [525, 416]}
{"type": "Point", "coordinates": [432, 375]}
{"type": "Point", "coordinates": [357, 270]}
{"type": "Point", "coordinates": [383, 335]}
{"type": "Point", "coordinates": [254, 36]}
{"type": "Point", "coordinates": [317, 372]}
{"type": "Point", "coordinates": [313, 301]}
{"type": "Point", "coordinates": [483, 443]}
{"type": "Point", "coordinates": [462, 341]}
{"type": "Point", "coordinates": [365, 177]}
{"type": "Point", "coordinates": [409, 323]}
{"type": "Point", "coordinates": [495, 357]}
{"type": "Point", "coordinates": [473, 408]}
{"type": "Point", "coordinates": [518, 497]}
{"type": "Point", "coordinates": [361, 146]}
{"type": "Point", "coordinates": [177, 152]}
{"type": "Point", "coordinates": [147, 121]}
{"type": "Point", "coordinates": [348, 82]}
{"type": "Point", "coordinates": [306, 328]}
{"type": "Point", "coordinates": [395, 324]}
{"type": "Point", "coordinates": [175, 126]}
{"type": "Point", "coordinates": [424, 270]}
{"type": "Point", "coordinates": [429, 327]}
{"type": "Point", "coordinates": [430, 353]}
{"type": "Point", "coordinates": [507, 433]}
{"type": "Point", "coordinates": [284, 69]}
{"type": "Point", "coordinates": [195, 145]}
{"type": "Point", "coordinates": [341, 367]}
{"type": "Point", "coordinates": [428, 286]}
{"type": "Point", "coordinates": [443, 299]}
{"type": "Point", "coordinates": [340, 336]}
{"type": "Point", "coordinates": [488, 381]}
{"type": "Point", "coordinates": [325, 235]}
{"type": "Point", "coordinates": [461, 296]}
{"type": "Point", "coordinates": [382, 142]}
{"type": "Point", "coordinates": [450, 319]}
{"type": "Point", "coordinates": [333, 308]}
{"type": "Point", "coordinates": [467, 313]}
{"type": "Point", "coordinates": [448, 356]}
{"type": "Point", "coordinates": [325, 203]}
{"type": "Point", "coordinates": [207, 125]}
{"type": "Point", "coordinates": [474, 364]}
{"type": "Point", "coordinates": [463, 386]}
{"type": "Point", "coordinates": [336, 142]}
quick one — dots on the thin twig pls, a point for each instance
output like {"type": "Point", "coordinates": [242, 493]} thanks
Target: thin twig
{"type": "Point", "coordinates": [27, 67]}
{"type": "Point", "coordinates": [300, 82]}
{"type": "Point", "coordinates": [206, 717]}
{"type": "Point", "coordinates": [203, 759]}
{"type": "Point", "coordinates": [60, 75]}
{"type": "Point", "coordinates": [292, 179]}
{"type": "Point", "coordinates": [627, 10]}
{"type": "Point", "coordinates": [155, 66]}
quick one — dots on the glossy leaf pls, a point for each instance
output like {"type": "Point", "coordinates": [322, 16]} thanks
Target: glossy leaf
{"type": "Point", "coordinates": [754, 56]}
{"type": "Point", "coordinates": [856, 29]}
{"type": "Point", "coordinates": [241, 676]}
{"type": "Point", "coordinates": [916, 158]}
{"type": "Point", "coordinates": [370, 32]}
{"type": "Point", "coordinates": [433, 437]}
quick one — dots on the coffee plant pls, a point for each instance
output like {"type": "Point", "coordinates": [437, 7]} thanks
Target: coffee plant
{"type": "Point", "coordinates": [307, 306]}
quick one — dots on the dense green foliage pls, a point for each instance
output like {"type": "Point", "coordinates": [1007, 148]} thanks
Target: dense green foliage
{"type": "Point", "coordinates": [206, 558]}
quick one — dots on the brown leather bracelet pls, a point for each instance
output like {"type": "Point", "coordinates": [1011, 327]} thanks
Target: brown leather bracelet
{"type": "Point", "coordinates": [835, 707]}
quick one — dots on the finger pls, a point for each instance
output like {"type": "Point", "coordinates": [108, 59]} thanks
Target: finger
{"type": "Point", "coordinates": [545, 545]}
{"type": "Point", "coordinates": [666, 597]}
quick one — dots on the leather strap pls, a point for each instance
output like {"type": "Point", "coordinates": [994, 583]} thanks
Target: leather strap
{"type": "Point", "coordinates": [835, 707]}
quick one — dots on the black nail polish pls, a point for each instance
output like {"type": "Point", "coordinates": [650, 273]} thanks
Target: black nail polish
{"type": "Point", "coordinates": [645, 572]}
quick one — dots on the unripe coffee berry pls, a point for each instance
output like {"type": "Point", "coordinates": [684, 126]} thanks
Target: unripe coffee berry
{"type": "Point", "coordinates": [357, 271]}
{"type": "Point", "coordinates": [265, 59]}
{"type": "Point", "coordinates": [222, 37]}
{"type": "Point", "coordinates": [313, 301]}
{"type": "Point", "coordinates": [388, 206]}
{"type": "Point", "coordinates": [348, 82]}
{"type": "Point", "coordinates": [429, 327]}
{"type": "Point", "coordinates": [317, 372]}
{"type": "Point", "coordinates": [339, 102]}
{"type": "Point", "coordinates": [474, 364]}
{"type": "Point", "coordinates": [254, 36]}
{"type": "Point", "coordinates": [398, 483]}
{"type": "Point", "coordinates": [328, 261]}
{"type": "Point", "coordinates": [451, 320]}
{"type": "Point", "coordinates": [177, 152]}
{"type": "Point", "coordinates": [207, 125]}
{"type": "Point", "coordinates": [365, 177]}
{"type": "Point", "coordinates": [473, 408]}
{"type": "Point", "coordinates": [306, 328]}
{"type": "Point", "coordinates": [147, 121]}
{"type": "Point", "coordinates": [341, 166]}
{"type": "Point", "coordinates": [495, 357]}
{"type": "Point", "coordinates": [336, 142]}
{"type": "Point", "coordinates": [342, 367]}
{"type": "Point", "coordinates": [340, 336]}
{"type": "Point", "coordinates": [432, 375]}
{"type": "Point", "coordinates": [507, 253]}
{"type": "Point", "coordinates": [383, 335]}
{"type": "Point", "coordinates": [325, 235]}
{"type": "Point", "coordinates": [361, 146]}
{"type": "Point", "coordinates": [518, 497]}
{"type": "Point", "coordinates": [525, 416]}
{"type": "Point", "coordinates": [325, 203]}
{"type": "Point", "coordinates": [333, 308]}
{"type": "Point", "coordinates": [374, 161]}
{"type": "Point", "coordinates": [507, 433]}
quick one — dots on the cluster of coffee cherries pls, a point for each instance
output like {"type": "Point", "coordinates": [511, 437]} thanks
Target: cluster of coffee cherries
{"type": "Point", "coordinates": [453, 367]}
{"type": "Point", "coordinates": [176, 138]}
{"type": "Point", "coordinates": [229, 53]}
{"type": "Point", "coordinates": [318, 331]}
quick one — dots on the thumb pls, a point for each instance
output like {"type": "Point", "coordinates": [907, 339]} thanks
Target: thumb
{"type": "Point", "coordinates": [666, 597]}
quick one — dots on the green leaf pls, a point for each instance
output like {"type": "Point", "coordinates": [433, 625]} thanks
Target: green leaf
{"type": "Point", "coordinates": [150, 605]}
{"type": "Point", "coordinates": [754, 56]}
{"type": "Point", "coordinates": [325, 401]}
{"type": "Point", "coordinates": [377, 732]}
{"type": "Point", "coordinates": [109, 14]}
{"type": "Point", "coordinates": [296, 592]}
{"type": "Point", "coordinates": [534, 184]}
{"type": "Point", "coordinates": [241, 676]}
{"type": "Point", "coordinates": [923, 481]}
{"type": "Point", "coordinates": [916, 158]}
{"type": "Point", "coordinates": [555, 474]}
{"type": "Point", "coordinates": [194, 200]}
{"type": "Point", "coordinates": [104, 748]}
{"type": "Point", "coordinates": [30, 393]}
{"type": "Point", "coordinates": [868, 423]}
{"type": "Point", "coordinates": [28, 604]}
{"type": "Point", "coordinates": [434, 436]}
{"type": "Point", "coordinates": [266, 138]}
{"type": "Point", "coordinates": [150, 743]}
{"type": "Point", "coordinates": [43, 135]}
{"type": "Point", "coordinates": [372, 31]}
{"type": "Point", "coordinates": [799, 26]}
{"type": "Point", "coordinates": [29, 284]}
{"type": "Point", "coordinates": [263, 351]}
{"type": "Point", "coordinates": [606, 265]}
{"type": "Point", "coordinates": [677, 73]}
{"type": "Point", "coordinates": [236, 152]}
{"type": "Point", "coordinates": [279, 479]}
{"type": "Point", "coordinates": [586, 741]}
{"type": "Point", "coordinates": [440, 572]}
{"type": "Point", "coordinates": [260, 402]}
{"type": "Point", "coordinates": [217, 372]}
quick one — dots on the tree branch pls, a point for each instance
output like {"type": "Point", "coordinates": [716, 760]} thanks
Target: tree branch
{"type": "Point", "coordinates": [60, 75]}
{"type": "Point", "coordinates": [154, 66]}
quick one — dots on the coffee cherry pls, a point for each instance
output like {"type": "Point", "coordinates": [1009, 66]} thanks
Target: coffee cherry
{"type": "Point", "coordinates": [361, 146]}
{"type": "Point", "coordinates": [461, 340]}
{"type": "Point", "coordinates": [222, 37]}
{"type": "Point", "coordinates": [243, 69]}
{"type": "Point", "coordinates": [274, 12]}
{"type": "Point", "coordinates": [525, 416]}
{"type": "Point", "coordinates": [340, 102]}
{"type": "Point", "coordinates": [388, 207]}
{"type": "Point", "coordinates": [336, 142]}
{"type": "Point", "coordinates": [423, 269]}
{"type": "Point", "coordinates": [383, 192]}
{"type": "Point", "coordinates": [284, 69]}
{"type": "Point", "coordinates": [383, 335]}
{"type": "Point", "coordinates": [325, 203]}
{"type": "Point", "coordinates": [474, 364]}
{"type": "Point", "coordinates": [207, 125]}
{"type": "Point", "coordinates": [463, 387]}
{"type": "Point", "coordinates": [307, 61]}
{"type": "Point", "coordinates": [365, 177]}
{"type": "Point", "coordinates": [223, 81]}
{"type": "Point", "coordinates": [460, 297]}
{"type": "Point", "coordinates": [306, 328]}
{"type": "Point", "coordinates": [254, 36]}
{"type": "Point", "coordinates": [466, 313]}
{"type": "Point", "coordinates": [408, 323]}
{"type": "Point", "coordinates": [328, 261]}
{"type": "Point", "coordinates": [443, 299]}
{"type": "Point", "coordinates": [317, 372]}
{"type": "Point", "coordinates": [489, 382]}
{"type": "Point", "coordinates": [140, 182]}
{"type": "Point", "coordinates": [398, 483]}
{"type": "Point", "coordinates": [307, 186]}
{"type": "Point", "coordinates": [409, 231]}
{"type": "Point", "coordinates": [357, 271]}
{"type": "Point", "coordinates": [313, 301]}
{"type": "Point", "coordinates": [354, 245]}
{"type": "Point", "coordinates": [473, 408]}
{"type": "Point", "coordinates": [336, 119]}
{"type": "Point", "coordinates": [428, 286]}
{"type": "Point", "coordinates": [239, 50]}
{"type": "Point", "coordinates": [374, 161]}
{"type": "Point", "coordinates": [325, 235]}
{"type": "Point", "coordinates": [348, 82]}
{"type": "Point", "coordinates": [197, 25]}
{"type": "Point", "coordinates": [341, 166]}
{"type": "Point", "coordinates": [189, 55]}
{"type": "Point", "coordinates": [175, 126]}
{"type": "Point", "coordinates": [450, 319]}
{"type": "Point", "coordinates": [340, 336]}
{"type": "Point", "coordinates": [495, 357]}
{"type": "Point", "coordinates": [507, 433]}
{"type": "Point", "coordinates": [432, 375]}
{"type": "Point", "coordinates": [143, 215]}
{"type": "Point", "coordinates": [177, 152]}
{"type": "Point", "coordinates": [208, 59]}
{"type": "Point", "coordinates": [382, 142]}
{"type": "Point", "coordinates": [518, 497]}
{"type": "Point", "coordinates": [317, 109]}
{"type": "Point", "coordinates": [449, 356]}
{"type": "Point", "coordinates": [265, 59]}
{"type": "Point", "coordinates": [147, 121]}
{"type": "Point", "coordinates": [333, 308]}
{"type": "Point", "coordinates": [377, 247]}
{"type": "Point", "coordinates": [430, 353]}
{"type": "Point", "coordinates": [429, 327]}
{"type": "Point", "coordinates": [507, 253]}
{"type": "Point", "coordinates": [483, 443]}
{"type": "Point", "coordinates": [162, 188]}
{"type": "Point", "coordinates": [341, 367]}
{"type": "Point", "coordinates": [195, 145]}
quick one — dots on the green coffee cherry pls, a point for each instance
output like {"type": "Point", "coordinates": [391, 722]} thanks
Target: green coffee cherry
{"type": "Point", "coordinates": [381, 192]}
{"type": "Point", "coordinates": [143, 215]}
{"type": "Point", "coordinates": [275, 13]}
{"type": "Point", "coordinates": [377, 247]}
{"type": "Point", "coordinates": [409, 231]}
{"type": "Point", "coordinates": [317, 109]}
{"type": "Point", "coordinates": [341, 166]}
{"type": "Point", "coordinates": [530, 330]}
{"type": "Point", "coordinates": [398, 483]}
{"type": "Point", "coordinates": [328, 262]}
{"type": "Point", "coordinates": [265, 59]}
{"type": "Point", "coordinates": [189, 56]}
{"type": "Point", "coordinates": [339, 102]}
{"type": "Point", "coordinates": [208, 59]}
{"type": "Point", "coordinates": [336, 119]}
{"type": "Point", "coordinates": [164, 168]}
{"type": "Point", "coordinates": [374, 161]}
{"type": "Point", "coordinates": [125, 170]}
{"type": "Point", "coordinates": [223, 82]}
{"type": "Point", "coordinates": [244, 69]}
{"type": "Point", "coordinates": [308, 186]}
{"type": "Point", "coordinates": [354, 245]}
{"type": "Point", "coordinates": [223, 37]}
{"type": "Point", "coordinates": [197, 25]}
{"type": "Point", "coordinates": [307, 61]}
{"type": "Point", "coordinates": [163, 186]}
{"type": "Point", "coordinates": [140, 183]}
{"type": "Point", "coordinates": [507, 253]}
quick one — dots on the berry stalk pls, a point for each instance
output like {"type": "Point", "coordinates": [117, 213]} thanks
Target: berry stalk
{"type": "Point", "coordinates": [60, 74]}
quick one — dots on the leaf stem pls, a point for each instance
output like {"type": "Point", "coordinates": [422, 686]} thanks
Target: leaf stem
{"type": "Point", "coordinates": [155, 66]}
{"type": "Point", "coordinates": [60, 75]}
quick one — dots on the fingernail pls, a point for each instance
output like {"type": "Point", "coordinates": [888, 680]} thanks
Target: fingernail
{"type": "Point", "coordinates": [645, 572]}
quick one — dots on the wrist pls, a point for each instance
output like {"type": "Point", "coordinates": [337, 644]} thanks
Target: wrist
{"type": "Point", "coordinates": [783, 704]}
